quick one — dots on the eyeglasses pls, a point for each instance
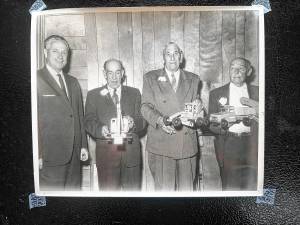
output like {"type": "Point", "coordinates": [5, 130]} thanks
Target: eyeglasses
{"type": "Point", "coordinates": [236, 70]}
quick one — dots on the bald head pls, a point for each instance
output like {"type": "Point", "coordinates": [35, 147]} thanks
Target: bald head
{"type": "Point", "coordinates": [113, 72]}
{"type": "Point", "coordinates": [172, 56]}
{"type": "Point", "coordinates": [240, 69]}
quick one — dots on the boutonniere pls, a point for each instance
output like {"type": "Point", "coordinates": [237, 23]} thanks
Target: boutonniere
{"type": "Point", "coordinates": [223, 101]}
{"type": "Point", "coordinates": [162, 79]}
{"type": "Point", "coordinates": [104, 92]}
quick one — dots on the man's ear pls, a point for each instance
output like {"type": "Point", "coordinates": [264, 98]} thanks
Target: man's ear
{"type": "Point", "coordinates": [123, 76]}
{"type": "Point", "coordinates": [249, 72]}
{"type": "Point", "coordinates": [181, 57]}
{"type": "Point", "coordinates": [104, 73]}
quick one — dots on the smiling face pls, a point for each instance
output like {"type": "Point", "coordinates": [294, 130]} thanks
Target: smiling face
{"type": "Point", "coordinates": [113, 73]}
{"type": "Point", "coordinates": [56, 54]}
{"type": "Point", "coordinates": [239, 70]}
{"type": "Point", "coordinates": [172, 57]}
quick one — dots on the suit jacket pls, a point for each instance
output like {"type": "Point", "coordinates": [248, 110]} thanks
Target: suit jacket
{"type": "Point", "coordinates": [159, 99]}
{"type": "Point", "coordinates": [99, 110]}
{"type": "Point", "coordinates": [60, 119]}
{"type": "Point", "coordinates": [222, 143]}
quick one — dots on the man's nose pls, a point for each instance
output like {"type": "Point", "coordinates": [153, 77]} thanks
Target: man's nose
{"type": "Point", "coordinates": [114, 76]}
{"type": "Point", "coordinates": [60, 55]}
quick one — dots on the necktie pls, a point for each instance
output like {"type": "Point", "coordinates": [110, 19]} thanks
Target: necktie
{"type": "Point", "coordinates": [115, 97]}
{"type": "Point", "coordinates": [62, 85]}
{"type": "Point", "coordinates": [173, 81]}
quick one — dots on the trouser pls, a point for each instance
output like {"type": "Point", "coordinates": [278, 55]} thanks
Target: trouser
{"type": "Point", "coordinates": [172, 174]}
{"type": "Point", "coordinates": [239, 167]}
{"type": "Point", "coordinates": [61, 177]}
{"type": "Point", "coordinates": [114, 175]}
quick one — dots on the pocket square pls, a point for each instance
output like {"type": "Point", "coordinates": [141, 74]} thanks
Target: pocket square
{"type": "Point", "coordinates": [49, 95]}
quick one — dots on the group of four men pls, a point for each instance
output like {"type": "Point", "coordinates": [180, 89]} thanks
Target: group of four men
{"type": "Point", "coordinates": [172, 154]}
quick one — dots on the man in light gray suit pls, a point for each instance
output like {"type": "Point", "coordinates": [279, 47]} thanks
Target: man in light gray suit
{"type": "Point", "coordinates": [172, 154]}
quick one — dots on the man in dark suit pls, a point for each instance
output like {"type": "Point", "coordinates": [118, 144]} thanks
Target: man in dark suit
{"type": "Point", "coordinates": [171, 154]}
{"type": "Point", "coordinates": [118, 166]}
{"type": "Point", "coordinates": [236, 153]}
{"type": "Point", "coordinates": [62, 139]}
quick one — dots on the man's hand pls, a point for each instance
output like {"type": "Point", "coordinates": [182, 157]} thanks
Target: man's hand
{"type": "Point", "coordinates": [166, 129]}
{"type": "Point", "coordinates": [105, 131]}
{"type": "Point", "coordinates": [40, 163]}
{"type": "Point", "coordinates": [130, 122]}
{"type": "Point", "coordinates": [84, 154]}
{"type": "Point", "coordinates": [199, 105]}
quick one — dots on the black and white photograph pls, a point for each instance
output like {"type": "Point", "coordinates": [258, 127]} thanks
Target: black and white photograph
{"type": "Point", "coordinates": [148, 101]}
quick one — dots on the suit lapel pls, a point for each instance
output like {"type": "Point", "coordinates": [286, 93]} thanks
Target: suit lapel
{"type": "Point", "coordinates": [53, 84]}
{"type": "Point", "coordinates": [184, 85]}
{"type": "Point", "coordinates": [250, 91]}
{"type": "Point", "coordinates": [108, 101]}
{"type": "Point", "coordinates": [69, 88]}
{"type": "Point", "coordinates": [226, 92]}
{"type": "Point", "coordinates": [164, 83]}
{"type": "Point", "coordinates": [123, 97]}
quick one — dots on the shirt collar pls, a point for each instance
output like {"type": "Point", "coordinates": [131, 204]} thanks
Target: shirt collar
{"type": "Point", "coordinates": [243, 87]}
{"type": "Point", "coordinates": [176, 74]}
{"type": "Point", "coordinates": [111, 90]}
{"type": "Point", "coordinates": [52, 71]}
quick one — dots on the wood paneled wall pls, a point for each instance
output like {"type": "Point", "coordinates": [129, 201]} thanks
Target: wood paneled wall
{"type": "Point", "coordinates": [209, 40]}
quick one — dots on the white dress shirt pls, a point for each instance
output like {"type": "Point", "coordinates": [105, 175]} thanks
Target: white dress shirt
{"type": "Point", "coordinates": [53, 73]}
{"type": "Point", "coordinates": [118, 92]}
{"type": "Point", "coordinates": [176, 74]}
{"type": "Point", "coordinates": [236, 93]}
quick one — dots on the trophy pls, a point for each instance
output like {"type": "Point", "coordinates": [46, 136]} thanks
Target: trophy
{"type": "Point", "coordinates": [119, 129]}
{"type": "Point", "coordinates": [192, 116]}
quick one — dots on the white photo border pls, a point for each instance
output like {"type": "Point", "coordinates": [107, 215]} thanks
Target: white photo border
{"type": "Point", "coordinates": [261, 55]}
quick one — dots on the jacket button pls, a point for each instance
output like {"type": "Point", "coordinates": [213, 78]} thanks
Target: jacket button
{"type": "Point", "coordinates": [186, 133]}
{"type": "Point", "coordinates": [164, 101]}
{"type": "Point", "coordinates": [71, 115]}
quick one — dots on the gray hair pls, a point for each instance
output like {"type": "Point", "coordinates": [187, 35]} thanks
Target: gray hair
{"type": "Point", "coordinates": [247, 62]}
{"type": "Point", "coordinates": [171, 43]}
{"type": "Point", "coordinates": [48, 41]}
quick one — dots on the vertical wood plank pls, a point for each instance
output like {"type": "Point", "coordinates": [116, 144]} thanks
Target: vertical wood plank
{"type": "Point", "coordinates": [210, 53]}
{"type": "Point", "coordinates": [177, 28]}
{"type": "Point", "coordinates": [148, 41]}
{"type": "Point", "coordinates": [211, 46]}
{"type": "Point", "coordinates": [107, 39]}
{"type": "Point", "coordinates": [240, 34]}
{"type": "Point", "coordinates": [210, 59]}
{"type": "Point", "coordinates": [137, 50]}
{"type": "Point", "coordinates": [161, 36]}
{"type": "Point", "coordinates": [251, 42]}
{"type": "Point", "coordinates": [228, 43]}
{"type": "Point", "coordinates": [125, 45]}
{"type": "Point", "coordinates": [91, 50]}
{"type": "Point", "coordinates": [148, 64]}
{"type": "Point", "coordinates": [191, 41]}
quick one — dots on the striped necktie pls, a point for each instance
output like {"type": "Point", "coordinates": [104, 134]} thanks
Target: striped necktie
{"type": "Point", "coordinates": [62, 85]}
{"type": "Point", "coordinates": [115, 97]}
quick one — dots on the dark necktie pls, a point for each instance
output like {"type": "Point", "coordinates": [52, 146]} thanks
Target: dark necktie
{"type": "Point", "coordinates": [115, 97]}
{"type": "Point", "coordinates": [62, 85]}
